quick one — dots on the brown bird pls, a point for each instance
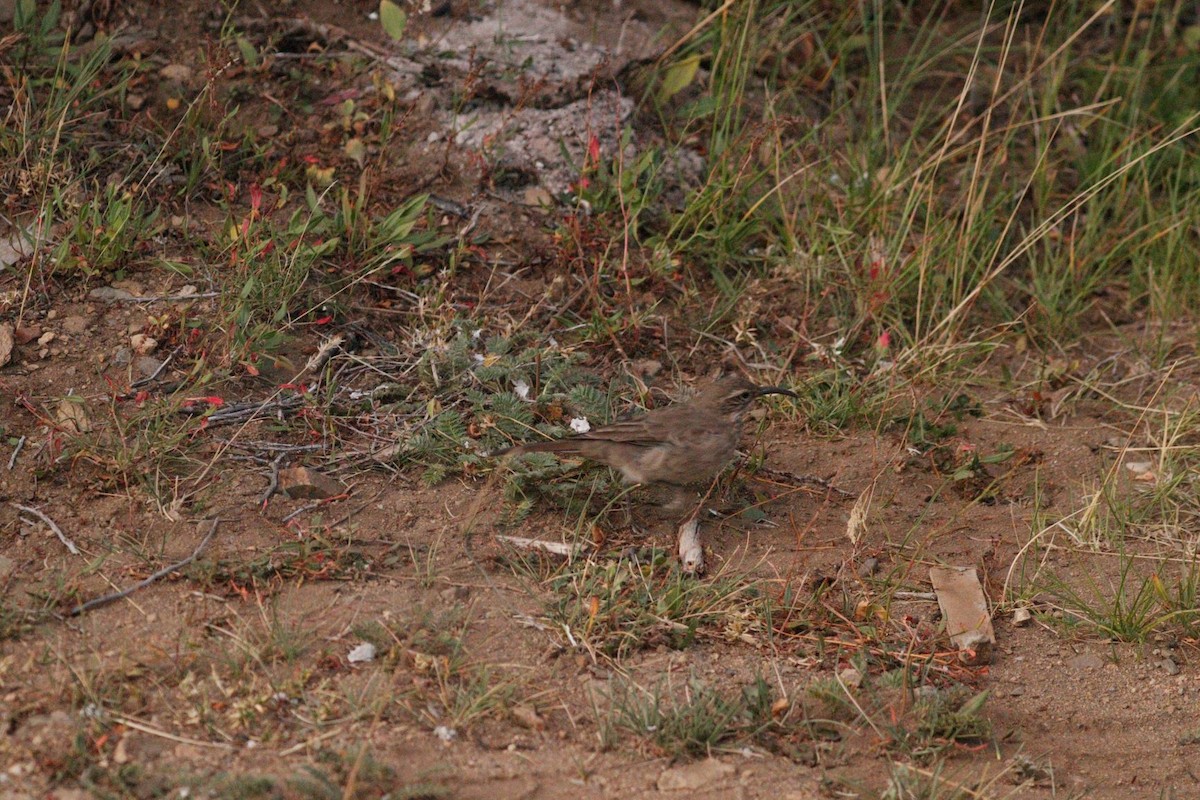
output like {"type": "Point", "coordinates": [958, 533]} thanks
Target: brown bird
{"type": "Point", "coordinates": [684, 445]}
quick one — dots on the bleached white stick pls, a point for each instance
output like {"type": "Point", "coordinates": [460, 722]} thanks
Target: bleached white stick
{"type": "Point", "coordinates": [691, 551]}
{"type": "Point", "coordinates": [556, 548]}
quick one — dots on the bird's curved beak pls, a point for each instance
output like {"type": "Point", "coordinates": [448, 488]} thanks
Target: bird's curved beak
{"type": "Point", "coordinates": [776, 390]}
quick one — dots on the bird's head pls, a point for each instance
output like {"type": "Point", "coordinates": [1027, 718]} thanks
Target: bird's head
{"type": "Point", "coordinates": [732, 395]}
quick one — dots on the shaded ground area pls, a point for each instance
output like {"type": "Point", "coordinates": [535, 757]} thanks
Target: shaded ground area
{"type": "Point", "coordinates": [148, 390]}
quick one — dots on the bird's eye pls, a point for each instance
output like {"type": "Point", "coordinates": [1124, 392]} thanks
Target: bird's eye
{"type": "Point", "coordinates": [745, 394]}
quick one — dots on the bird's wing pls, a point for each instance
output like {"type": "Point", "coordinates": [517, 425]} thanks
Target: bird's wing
{"type": "Point", "coordinates": [632, 432]}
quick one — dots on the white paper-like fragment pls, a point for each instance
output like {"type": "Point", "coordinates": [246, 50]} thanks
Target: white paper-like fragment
{"type": "Point", "coordinates": [580, 425]}
{"type": "Point", "coordinates": [521, 388]}
{"type": "Point", "coordinates": [364, 652]}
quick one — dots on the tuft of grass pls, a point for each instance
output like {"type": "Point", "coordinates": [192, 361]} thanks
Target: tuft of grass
{"type": "Point", "coordinates": [700, 722]}
{"type": "Point", "coordinates": [1129, 607]}
{"type": "Point", "coordinates": [616, 607]}
{"type": "Point", "coordinates": [906, 710]}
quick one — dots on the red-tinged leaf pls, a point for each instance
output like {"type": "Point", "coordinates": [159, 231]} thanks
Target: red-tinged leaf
{"type": "Point", "coordinates": [212, 400]}
{"type": "Point", "coordinates": [256, 196]}
{"type": "Point", "coordinates": [141, 397]}
{"type": "Point", "coordinates": [325, 320]}
{"type": "Point", "coordinates": [250, 368]}
{"type": "Point", "coordinates": [594, 149]}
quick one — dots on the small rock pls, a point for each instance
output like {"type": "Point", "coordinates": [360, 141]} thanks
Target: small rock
{"type": "Point", "coordinates": [6, 342]}
{"type": "Point", "coordinates": [135, 101]}
{"type": "Point", "coordinates": [24, 334]}
{"type": "Point", "coordinates": [143, 344]}
{"type": "Point", "coordinates": [445, 733]}
{"type": "Point", "coordinates": [455, 594]}
{"type": "Point", "coordinates": [133, 287]}
{"type": "Point", "coordinates": [647, 367]}
{"type": "Point", "coordinates": [267, 131]}
{"type": "Point", "coordinates": [1170, 666]}
{"type": "Point", "coordinates": [363, 653]}
{"type": "Point", "coordinates": [110, 294]}
{"type": "Point", "coordinates": [72, 416]}
{"type": "Point", "coordinates": [869, 567]}
{"type": "Point", "coordinates": [1025, 769]}
{"type": "Point", "coordinates": [146, 366]}
{"type": "Point", "coordinates": [1086, 661]}
{"type": "Point", "coordinates": [695, 777]}
{"type": "Point", "coordinates": [176, 72]}
{"type": "Point", "coordinates": [66, 793]}
{"type": "Point", "coordinates": [74, 325]}
{"type": "Point", "coordinates": [851, 677]}
{"type": "Point", "coordinates": [46, 338]}
{"type": "Point", "coordinates": [121, 751]}
{"type": "Point", "coordinates": [1021, 617]}
{"type": "Point", "coordinates": [17, 245]}
{"type": "Point", "coordinates": [528, 717]}
{"type": "Point", "coordinates": [537, 196]}
{"type": "Point", "coordinates": [52, 314]}
{"type": "Point", "coordinates": [122, 357]}
{"type": "Point", "coordinates": [308, 484]}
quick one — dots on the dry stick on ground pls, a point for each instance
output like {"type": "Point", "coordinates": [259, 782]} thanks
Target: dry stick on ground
{"type": "Point", "coordinates": [274, 484]}
{"type": "Point", "coordinates": [12, 461]}
{"type": "Point", "coordinates": [104, 600]}
{"type": "Point", "coordinates": [154, 376]}
{"type": "Point", "coordinates": [555, 548]}
{"type": "Point", "coordinates": [62, 537]}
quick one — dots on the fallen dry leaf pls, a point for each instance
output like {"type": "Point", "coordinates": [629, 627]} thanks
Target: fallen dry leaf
{"type": "Point", "coordinates": [72, 416]}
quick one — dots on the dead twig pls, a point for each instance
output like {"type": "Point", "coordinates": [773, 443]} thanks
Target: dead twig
{"type": "Point", "coordinates": [113, 597]}
{"type": "Point", "coordinates": [154, 376]}
{"type": "Point", "coordinates": [273, 486]}
{"type": "Point", "coordinates": [169, 298]}
{"type": "Point", "coordinates": [791, 480]}
{"type": "Point", "coordinates": [555, 548]}
{"type": "Point", "coordinates": [12, 460]}
{"type": "Point", "coordinates": [274, 447]}
{"type": "Point", "coordinates": [145, 728]}
{"type": "Point", "coordinates": [238, 412]}
{"type": "Point", "coordinates": [301, 510]}
{"type": "Point", "coordinates": [903, 595]}
{"type": "Point", "coordinates": [62, 537]}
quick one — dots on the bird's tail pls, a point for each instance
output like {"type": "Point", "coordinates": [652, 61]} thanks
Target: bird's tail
{"type": "Point", "coordinates": [565, 446]}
